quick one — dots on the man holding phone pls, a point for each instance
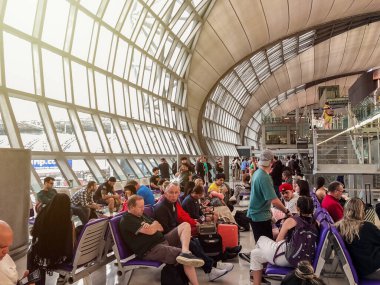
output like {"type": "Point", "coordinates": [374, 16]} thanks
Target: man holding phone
{"type": "Point", "coordinates": [8, 272]}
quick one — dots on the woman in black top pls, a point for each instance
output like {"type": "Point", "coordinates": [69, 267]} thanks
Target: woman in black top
{"type": "Point", "coordinates": [362, 239]}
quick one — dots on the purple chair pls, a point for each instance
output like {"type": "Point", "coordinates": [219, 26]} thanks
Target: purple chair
{"type": "Point", "coordinates": [88, 252]}
{"type": "Point", "coordinates": [126, 260]}
{"type": "Point", "coordinates": [148, 211]}
{"type": "Point", "coordinates": [322, 214]}
{"type": "Point", "coordinates": [274, 271]}
{"type": "Point", "coordinates": [346, 261]}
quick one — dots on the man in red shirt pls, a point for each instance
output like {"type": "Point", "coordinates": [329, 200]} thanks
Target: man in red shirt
{"type": "Point", "coordinates": [331, 201]}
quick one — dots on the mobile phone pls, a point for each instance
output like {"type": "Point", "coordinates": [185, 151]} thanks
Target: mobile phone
{"type": "Point", "coordinates": [31, 278]}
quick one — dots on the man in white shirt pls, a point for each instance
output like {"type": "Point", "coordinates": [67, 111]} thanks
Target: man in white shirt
{"type": "Point", "coordinates": [290, 198]}
{"type": "Point", "coordinates": [8, 272]}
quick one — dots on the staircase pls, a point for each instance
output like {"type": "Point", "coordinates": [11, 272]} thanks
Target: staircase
{"type": "Point", "coordinates": [339, 150]}
{"type": "Point", "coordinates": [338, 155]}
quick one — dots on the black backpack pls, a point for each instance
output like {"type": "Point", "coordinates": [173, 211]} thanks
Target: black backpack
{"type": "Point", "coordinates": [242, 220]}
{"type": "Point", "coordinates": [173, 275]}
{"type": "Point", "coordinates": [303, 242]}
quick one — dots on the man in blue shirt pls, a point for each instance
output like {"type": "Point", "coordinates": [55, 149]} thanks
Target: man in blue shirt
{"type": "Point", "coordinates": [144, 192]}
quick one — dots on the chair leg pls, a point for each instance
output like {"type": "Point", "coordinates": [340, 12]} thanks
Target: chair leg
{"type": "Point", "coordinates": [87, 280]}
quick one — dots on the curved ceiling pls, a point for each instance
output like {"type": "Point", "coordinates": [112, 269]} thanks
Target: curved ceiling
{"type": "Point", "coordinates": [236, 29]}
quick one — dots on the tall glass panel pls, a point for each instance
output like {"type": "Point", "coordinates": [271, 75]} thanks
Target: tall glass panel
{"type": "Point", "coordinates": [18, 63]}
{"type": "Point", "coordinates": [90, 133]}
{"type": "Point", "coordinates": [20, 15]}
{"type": "Point", "coordinates": [53, 75]}
{"type": "Point", "coordinates": [4, 141]}
{"type": "Point", "coordinates": [81, 170]}
{"type": "Point", "coordinates": [56, 18]}
{"type": "Point", "coordinates": [64, 129]}
{"type": "Point", "coordinates": [111, 135]}
{"type": "Point", "coordinates": [128, 137]}
{"type": "Point", "coordinates": [30, 125]}
{"type": "Point", "coordinates": [125, 166]}
{"type": "Point", "coordinates": [107, 170]}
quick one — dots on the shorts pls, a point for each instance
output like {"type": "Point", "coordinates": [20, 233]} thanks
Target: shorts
{"type": "Point", "coordinates": [166, 251]}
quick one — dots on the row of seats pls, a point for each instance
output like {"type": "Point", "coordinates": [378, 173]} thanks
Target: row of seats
{"type": "Point", "coordinates": [329, 240]}
{"type": "Point", "coordinates": [98, 244]}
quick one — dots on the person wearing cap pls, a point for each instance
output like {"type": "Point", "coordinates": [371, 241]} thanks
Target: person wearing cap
{"type": "Point", "coordinates": [262, 197]}
{"type": "Point", "coordinates": [106, 195]}
{"type": "Point", "coordinates": [331, 201]}
{"type": "Point", "coordinates": [290, 198]}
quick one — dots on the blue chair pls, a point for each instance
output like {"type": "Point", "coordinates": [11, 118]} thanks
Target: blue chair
{"type": "Point", "coordinates": [346, 261]}
{"type": "Point", "coordinates": [274, 271]}
{"type": "Point", "coordinates": [126, 260]}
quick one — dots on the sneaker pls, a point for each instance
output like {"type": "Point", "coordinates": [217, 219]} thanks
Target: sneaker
{"type": "Point", "coordinates": [216, 273]}
{"type": "Point", "coordinates": [225, 266]}
{"type": "Point", "coordinates": [189, 259]}
{"type": "Point", "coordinates": [245, 256]}
{"type": "Point", "coordinates": [61, 280]}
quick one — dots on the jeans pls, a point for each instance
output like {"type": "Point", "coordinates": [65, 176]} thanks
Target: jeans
{"type": "Point", "coordinates": [83, 213]}
{"type": "Point", "coordinates": [196, 248]}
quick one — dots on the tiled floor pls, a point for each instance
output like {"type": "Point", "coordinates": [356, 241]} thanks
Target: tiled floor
{"type": "Point", "coordinates": [107, 275]}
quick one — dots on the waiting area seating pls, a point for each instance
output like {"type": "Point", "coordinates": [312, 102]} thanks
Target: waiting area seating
{"type": "Point", "coordinates": [88, 252]}
{"type": "Point", "coordinates": [126, 260]}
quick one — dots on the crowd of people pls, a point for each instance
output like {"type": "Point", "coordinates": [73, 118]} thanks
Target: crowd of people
{"type": "Point", "coordinates": [280, 204]}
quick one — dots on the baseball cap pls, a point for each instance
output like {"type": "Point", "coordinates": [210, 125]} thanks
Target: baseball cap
{"type": "Point", "coordinates": [285, 187]}
{"type": "Point", "coordinates": [266, 157]}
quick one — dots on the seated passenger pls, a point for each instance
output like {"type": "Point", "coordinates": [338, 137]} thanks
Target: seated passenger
{"type": "Point", "coordinates": [82, 203]}
{"type": "Point", "coordinates": [273, 252]}
{"type": "Point", "coordinates": [46, 194]}
{"type": "Point", "coordinates": [320, 189]}
{"type": "Point", "coordinates": [106, 195]}
{"type": "Point", "coordinates": [303, 275]}
{"type": "Point", "coordinates": [191, 205]}
{"type": "Point", "coordinates": [8, 271]}
{"type": "Point", "coordinates": [289, 197]}
{"type": "Point", "coordinates": [287, 176]}
{"type": "Point", "coordinates": [52, 237]}
{"type": "Point", "coordinates": [129, 190]}
{"type": "Point", "coordinates": [154, 179]}
{"type": "Point", "coordinates": [146, 239]}
{"type": "Point", "coordinates": [166, 213]}
{"type": "Point", "coordinates": [302, 187]}
{"type": "Point", "coordinates": [331, 201]}
{"type": "Point", "coordinates": [245, 188]}
{"type": "Point", "coordinates": [144, 192]}
{"type": "Point", "coordinates": [361, 238]}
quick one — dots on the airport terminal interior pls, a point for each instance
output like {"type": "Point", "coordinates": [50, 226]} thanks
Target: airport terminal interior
{"type": "Point", "coordinates": [93, 89]}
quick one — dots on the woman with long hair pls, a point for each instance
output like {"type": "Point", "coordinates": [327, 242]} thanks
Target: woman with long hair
{"type": "Point", "coordinates": [274, 252]}
{"type": "Point", "coordinates": [53, 236]}
{"type": "Point", "coordinates": [302, 188]}
{"type": "Point", "coordinates": [362, 239]}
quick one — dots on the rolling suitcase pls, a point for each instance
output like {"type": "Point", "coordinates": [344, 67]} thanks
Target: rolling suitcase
{"type": "Point", "coordinates": [211, 244]}
{"type": "Point", "coordinates": [229, 234]}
